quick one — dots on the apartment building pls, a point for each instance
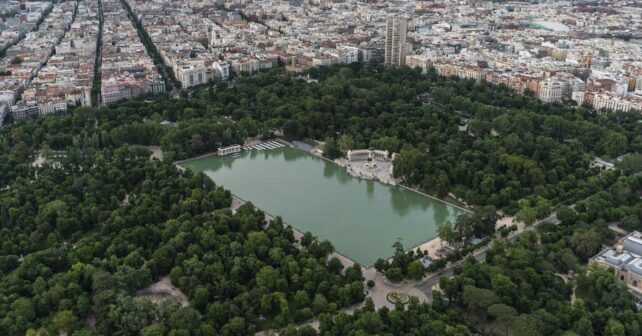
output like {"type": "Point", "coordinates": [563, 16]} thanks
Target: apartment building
{"type": "Point", "coordinates": [395, 48]}
{"type": "Point", "coordinates": [550, 90]}
{"type": "Point", "coordinates": [606, 102]}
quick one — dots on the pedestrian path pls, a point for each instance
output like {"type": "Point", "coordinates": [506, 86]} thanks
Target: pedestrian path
{"type": "Point", "coordinates": [265, 145]}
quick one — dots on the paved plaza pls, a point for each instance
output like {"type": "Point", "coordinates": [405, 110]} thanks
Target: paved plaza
{"type": "Point", "coordinates": [360, 169]}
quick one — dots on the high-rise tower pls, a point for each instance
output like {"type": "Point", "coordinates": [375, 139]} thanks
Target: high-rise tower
{"type": "Point", "coordinates": [395, 54]}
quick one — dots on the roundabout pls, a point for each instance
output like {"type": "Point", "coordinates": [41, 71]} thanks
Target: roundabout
{"type": "Point", "coordinates": [394, 297]}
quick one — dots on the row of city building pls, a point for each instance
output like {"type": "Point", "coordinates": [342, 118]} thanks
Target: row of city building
{"type": "Point", "coordinates": [17, 18]}
{"type": "Point", "coordinates": [127, 69]}
{"type": "Point", "coordinates": [55, 66]}
{"type": "Point", "coordinates": [67, 78]}
{"type": "Point", "coordinates": [181, 32]}
{"type": "Point", "coordinates": [24, 60]}
{"type": "Point", "coordinates": [201, 41]}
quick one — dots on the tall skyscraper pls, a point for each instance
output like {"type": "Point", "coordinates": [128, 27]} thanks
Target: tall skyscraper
{"type": "Point", "coordinates": [395, 54]}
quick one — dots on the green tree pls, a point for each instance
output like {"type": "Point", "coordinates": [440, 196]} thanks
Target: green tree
{"type": "Point", "coordinates": [406, 165]}
{"type": "Point", "coordinates": [614, 144]}
{"type": "Point", "coordinates": [504, 314]}
{"type": "Point", "coordinates": [236, 327]}
{"type": "Point", "coordinates": [478, 300]}
{"type": "Point", "coordinates": [345, 143]}
{"type": "Point", "coordinates": [485, 219]}
{"type": "Point", "coordinates": [614, 328]}
{"type": "Point", "coordinates": [153, 330]}
{"type": "Point", "coordinates": [330, 149]}
{"type": "Point", "coordinates": [446, 233]}
{"type": "Point", "coordinates": [583, 326]}
{"type": "Point", "coordinates": [319, 303]}
{"type": "Point", "coordinates": [292, 129]}
{"type": "Point", "coordinates": [586, 243]}
{"type": "Point", "coordinates": [394, 274]}
{"type": "Point", "coordinates": [416, 270]}
{"type": "Point", "coordinates": [301, 299]}
{"type": "Point", "coordinates": [566, 215]}
{"type": "Point", "coordinates": [370, 322]}
{"type": "Point", "coordinates": [64, 321]}
{"type": "Point", "coordinates": [527, 214]}
{"type": "Point", "coordinates": [630, 163]}
{"type": "Point", "coordinates": [527, 325]}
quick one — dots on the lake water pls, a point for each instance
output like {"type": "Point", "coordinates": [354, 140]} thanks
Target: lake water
{"type": "Point", "coordinates": [362, 219]}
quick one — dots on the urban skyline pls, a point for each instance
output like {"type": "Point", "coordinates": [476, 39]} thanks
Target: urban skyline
{"type": "Point", "coordinates": [555, 50]}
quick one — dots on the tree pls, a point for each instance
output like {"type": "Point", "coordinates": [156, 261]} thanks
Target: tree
{"type": "Point", "coordinates": [527, 214]}
{"type": "Point", "coordinates": [478, 300]}
{"type": "Point", "coordinates": [584, 327]}
{"type": "Point", "coordinates": [24, 308]}
{"type": "Point", "coordinates": [586, 243]}
{"type": "Point", "coordinates": [504, 315]}
{"type": "Point", "coordinates": [614, 144]}
{"type": "Point", "coordinates": [463, 228]}
{"type": "Point", "coordinates": [394, 274]}
{"type": "Point", "coordinates": [631, 222]}
{"type": "Point", "coordinates": [301, 299]}
{"type": "Point", "coordinates": [406, 165]}
{"type": "Point", "coordinates": [441, 184]}
{"type": "Point", "coordinates": [389, 143]}
{"type": "Point", "coordinates": [335, 265]}
{"type": "Point", "coordinates": [131, 315]}
{"type": "Point", "coordinates": [380, 265]}
{"type": "Point", "coordinates": [293, 129]}
{"type": "Point", "coordinates": [614, 328]}
{"type": "Point", "coordinates": [630, 163]}
{"type": "Point", "coordinates": [307, 239]}
{"type": "Point", "coordinates": [566, 215]}
{"type": "Point", "coordinates": [39, 332]}
{"type": "Point", "coordinates": [200, 297]}
{"type": "Point", "coordinates": [330, 149]}
{"type": "Point", "coordinates": [236, 327]}
{"type": "Point", "coordinates": [485, 221]}
{"type": "Point", "coordinates": [64, 321]}
{"type": "Point", "coordinates": [345, 143]}
{"type": "Point", "coordinates": [542, 207]}
{"type": "Point", "coordinates": [398, 247]}
{"type": "Point", "coordinates": [446, 233]}
{"type": "Point", "coordinates": [268, 277]}
{"type": "Point", "coordinates": [400, 259]}
{"type": "Point", "coordinates": [185, 318]}
{"type": "Point", "coordinates": [526, 325]}
{"type": "Point", "coordinates": [504, 288]}
{"type": "Point", "coordinates": [319, 303]}
{"type": "Point", "coordinates": [416, 270]}
{"type": "Point", "coordinates": [153, 330]}
{"type": "Point", "coordinates": [370, 322]}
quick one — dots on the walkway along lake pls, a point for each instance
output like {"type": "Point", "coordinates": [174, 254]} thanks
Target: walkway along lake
{"type": "Point", "coordinates": [362, 219]}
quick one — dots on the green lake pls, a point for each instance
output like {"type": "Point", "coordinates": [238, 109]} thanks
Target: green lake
{"type": "Point", "coordinates": [361, 218]}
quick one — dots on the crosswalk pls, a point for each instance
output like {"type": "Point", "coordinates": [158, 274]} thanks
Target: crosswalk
{"type": "Point", "coordinates": [265, 145]}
